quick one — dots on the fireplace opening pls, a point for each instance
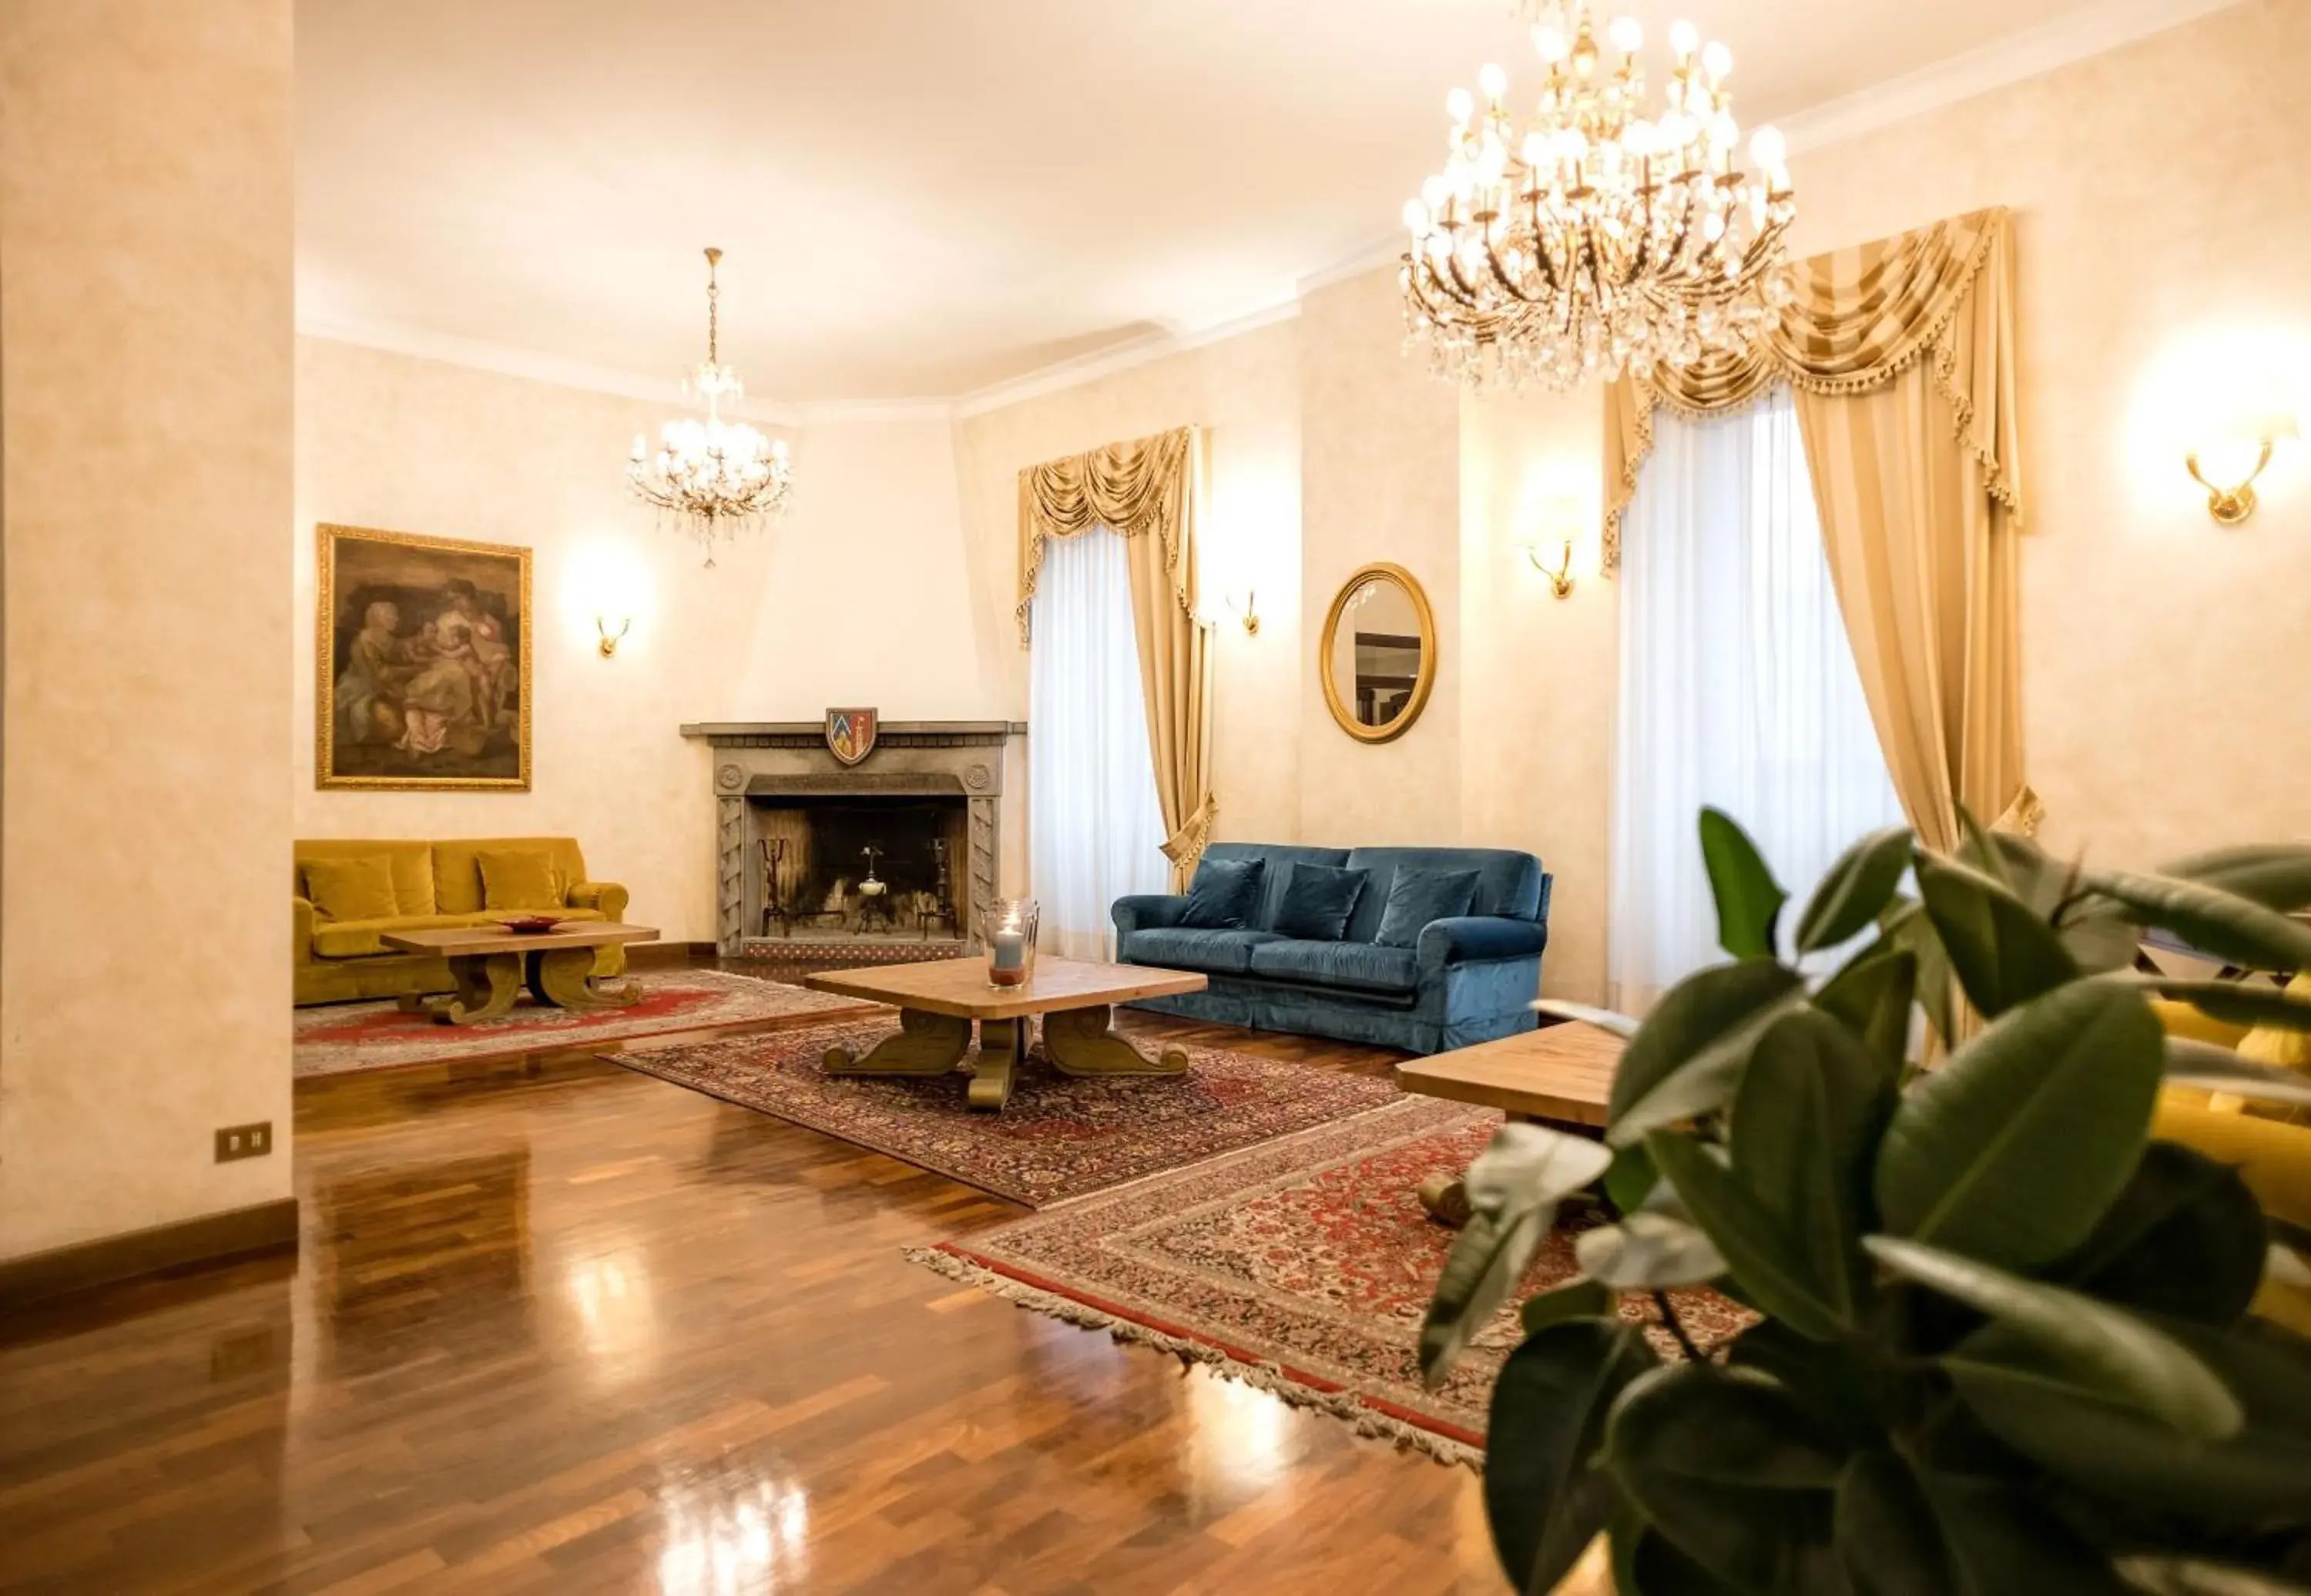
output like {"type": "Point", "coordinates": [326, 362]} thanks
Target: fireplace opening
{"type": "Point", "coordinates": [862, 865]}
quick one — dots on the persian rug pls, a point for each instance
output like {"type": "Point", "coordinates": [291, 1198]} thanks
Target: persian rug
{"type": "Point", "coordinates": [336, 1037]}
{"type": "Point", "coordinates": [1060, 1137]}
{"type": "Point", "coordinates": [1303, 1266]}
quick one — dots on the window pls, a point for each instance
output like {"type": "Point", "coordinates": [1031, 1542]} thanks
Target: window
{"type": "Point", "coordinates": [1738, 689]}
{"type": "Point", "coordinates": [1094, 826]}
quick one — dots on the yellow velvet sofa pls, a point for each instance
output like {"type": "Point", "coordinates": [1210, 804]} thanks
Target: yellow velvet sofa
{"type": "Point", "coordinates": [2271, 1154]}
{"type": "Point", "coordinates": [435, 885]}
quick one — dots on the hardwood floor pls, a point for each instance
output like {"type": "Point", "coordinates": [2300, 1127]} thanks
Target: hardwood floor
{"type": "Point", "coordinates": [557, 1326]}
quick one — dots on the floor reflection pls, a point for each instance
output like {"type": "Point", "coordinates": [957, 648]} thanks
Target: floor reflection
{"type": "Point", "coordinates": [730, 1535]}
{"type": "Point", "coordinates": [392, 1246]}
{"type": "Point", "coordinates": [616, 1311]}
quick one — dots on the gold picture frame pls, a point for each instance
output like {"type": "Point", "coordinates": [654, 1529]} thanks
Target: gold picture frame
{"type": "Point", "coordinates": [1407, 701]}
{"type": "Point", "coordinates": [422, 651]}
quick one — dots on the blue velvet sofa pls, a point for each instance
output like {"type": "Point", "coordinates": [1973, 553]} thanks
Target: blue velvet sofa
{"type": "Point", "coordinates": [1468, 980]}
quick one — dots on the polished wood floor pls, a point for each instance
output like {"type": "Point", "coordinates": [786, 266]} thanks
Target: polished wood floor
{"type": "Point", "coordinates": [557, 1326]}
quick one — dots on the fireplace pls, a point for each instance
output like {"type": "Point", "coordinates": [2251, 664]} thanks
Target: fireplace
{"type": "Point", "coordinates": [820, 865]}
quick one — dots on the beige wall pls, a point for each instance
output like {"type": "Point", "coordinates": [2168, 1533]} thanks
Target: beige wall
{"type": "Point", "coordinates": [856, 597]}
{"type": "Point", "coordinates": [145, 316]}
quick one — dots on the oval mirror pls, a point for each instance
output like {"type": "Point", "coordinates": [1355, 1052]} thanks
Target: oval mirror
{"type": "Point", "coordinates": [1378, 656]}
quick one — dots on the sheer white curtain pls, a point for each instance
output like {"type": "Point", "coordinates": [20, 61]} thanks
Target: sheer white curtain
{"type": "Point", "coordinates": [1095, 827]}
{"type": "Point", "coordinates": [1738, 689]}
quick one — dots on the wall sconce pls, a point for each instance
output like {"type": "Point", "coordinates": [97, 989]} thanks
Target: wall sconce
{"type": "Point", "coordinates": [2230, 506]}
{"type": "Point", "coordinates": [610, 640]}
{"type": "Point", "coordinates": [1560, 578]}
{"type": "Point", "coordinates": [1245, 607]}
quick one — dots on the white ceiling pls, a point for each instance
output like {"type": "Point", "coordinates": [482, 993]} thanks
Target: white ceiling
{"type": "Point", "coordinates": [921, 197]}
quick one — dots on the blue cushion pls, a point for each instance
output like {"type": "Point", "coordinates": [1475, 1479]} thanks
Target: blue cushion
{"type": "Point", "coordinates": [1508, 882]}
{"type": "Point", "coordinates": [1317, 901]}
{"type": "Point", "coordinates": [1277, 855]}
{"type": "Point", "coordinates": [1181, 947]}
{"type": "Point", "coordinates": [1355, 965]}
{"type": "Point", "coordinates": [1224, 894]}
{"type": "Point", "coordinates": [1417, 896]}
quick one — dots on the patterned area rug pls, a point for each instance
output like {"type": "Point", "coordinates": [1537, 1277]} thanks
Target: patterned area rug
{"type": "Point", "coordinates": [1060, 1137]}
{"type": "Point", "coordinates": [1303, 1266]}
{"type": "Point", "coordinates": [336, 1037]}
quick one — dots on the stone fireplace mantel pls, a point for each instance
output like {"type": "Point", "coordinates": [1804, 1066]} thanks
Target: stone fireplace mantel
{"type": "Point", "coordinates": [761, 761]}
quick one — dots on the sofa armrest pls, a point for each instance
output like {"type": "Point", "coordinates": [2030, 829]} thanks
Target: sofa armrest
{"type": "Point", "coordinates": [1475, 938]}
{"type": "Point", "coordinates": [607, 896]}
{"type": "Point", "coordinates": [301, 915]}
{"type": "Point", "coordinates": [1141, 912]}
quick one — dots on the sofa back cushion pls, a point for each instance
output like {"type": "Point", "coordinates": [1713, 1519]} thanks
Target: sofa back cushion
{"type": "Point", "coordinates": [1317, 901]}
{"type": "Point", "coordinates": [1224, 894]}
{"type": "Point", "coordinates": [359, 887]}
{"type": "Point", "coordinates": [521, 878]}
{"type": "Point", "coordinates": [412, 864]}
{"type": "Point", "coordinates": [1417, 896]}
{"type": "Point", "coordinates": [1508, 883]}
{"type": "Point", "coordinates": [457, 870]}
{"type": "Point", "coordinates": [1277, 855]}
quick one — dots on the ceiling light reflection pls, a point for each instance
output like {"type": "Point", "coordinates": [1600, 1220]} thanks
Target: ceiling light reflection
{"type": "Point", "coordinates": [720, 1542]}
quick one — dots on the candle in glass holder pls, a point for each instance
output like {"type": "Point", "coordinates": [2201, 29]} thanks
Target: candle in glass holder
{"type": "Point", "coordinates": [1010, 931]}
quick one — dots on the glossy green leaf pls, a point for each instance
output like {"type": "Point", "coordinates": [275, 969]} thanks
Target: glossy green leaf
{"type": "Point", "coordinates": [2013, 1149]}
{"type": "Point", "coordinates": [1729, 1469]}
{"type": "Point", "coordinates": [1830, 1381]}
{"type": "Point", "coordinates": [2236, 929]}
{"type": "Point", "coordinates": [2277, 875]}
{"type": "Point", "coordinates": [1688, 1056]}
{"type": "Point", "coordinates": [1769, 1260]}
{"type": "Point", "coordinates": [1543, 1501]}
{"type": "Point", "coordinates": [2047, 1338]}
{"type": "Point", "coordinates": [1631, 1179]}
{"type": "Point", "coordinates": [1648, 1251]}
{"type": "Point", "coordinates": [1871, 997]}
{"type": "Point", "coordinates": [2001, 953]}
{"type": "Point", "coordinates": [1748, 899]}
{"type": "Point", "coordinates": [2235, 1002]}
{"type": "Point", "coordinates": [1514, 1188]}
{"type": "Point", "coordinates": [2001, 1539]}
{"type": "Point", "coordinates": [1856, 890]}
{"type": "Point", "coordinates": [1905, 926]}
{"type": "Point", "coordinates": [1886, 1534]}
{"type": "Point", "coordinates": [1581, 1298]}
{"type": "Point", "coordinates": [1655, 1567]}
{"type": "Point", "coordinates": [2185, 1240]}
{"type": "Point", "coordinates": [2253, 1480]}
{"type": "Point", "coordinates": [1605, 1019]}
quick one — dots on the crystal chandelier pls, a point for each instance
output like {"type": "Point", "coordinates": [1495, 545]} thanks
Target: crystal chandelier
{"type": "Point", "coordinates": [712, 476]}
{"type": "Point", "coordinates": [1603, 239]}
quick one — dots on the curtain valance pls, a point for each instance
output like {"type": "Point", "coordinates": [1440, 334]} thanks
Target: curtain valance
{"type": "Point", "coordinates": [1142, 488]}
{"type": "Point", "coordinates": [1860, 318]}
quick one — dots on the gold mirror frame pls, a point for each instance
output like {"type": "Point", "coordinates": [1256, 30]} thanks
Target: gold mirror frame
{"type": "Point", "coordinates": [1342, 712]}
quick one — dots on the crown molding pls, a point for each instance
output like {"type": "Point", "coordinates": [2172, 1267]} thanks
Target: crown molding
{"type": "Point", "coordinates": [1081, 369]}
{"type": "Point", "coordinates": [2050, 46]}
{"type": "Point", "coordinates": [1385, 250]}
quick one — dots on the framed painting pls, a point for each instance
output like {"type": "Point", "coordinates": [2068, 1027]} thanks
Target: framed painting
{"type": "Point", "coordinates": [424, 662]}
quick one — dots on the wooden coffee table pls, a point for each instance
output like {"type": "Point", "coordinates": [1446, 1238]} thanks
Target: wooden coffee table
{"type": "Point", "coordinates": [938, 1000]}
{"type": "Point", "coordinates": [1561, 1075]}
{"type": "Point", "coordinates": [489, 963]}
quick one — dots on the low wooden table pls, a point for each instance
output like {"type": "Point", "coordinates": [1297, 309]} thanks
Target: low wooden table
{"type": "Point", "coordinates": [938, 1000]}
{"type": "Point", "coordinates": [1561, 1074]}
{"type": "Point", "coordinates": [489, 963]}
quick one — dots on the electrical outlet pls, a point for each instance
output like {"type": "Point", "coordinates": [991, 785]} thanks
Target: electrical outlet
{"type": "Point", "coordinates": [244, 1141]}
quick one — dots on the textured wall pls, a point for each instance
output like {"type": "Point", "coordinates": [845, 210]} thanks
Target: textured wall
{"type": "Point", "coordinates": [146, 325]}
{"type": "Point", "coordinates": [857, 597]}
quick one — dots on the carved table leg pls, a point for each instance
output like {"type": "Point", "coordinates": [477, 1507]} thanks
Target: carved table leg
{"type": "Point", "coordinates": [1000, 1043]}
{"type": "Point", "coordinates": [1079, 1042]}
{"type": "Point", "coordinates": [487, 986]}
{"type": "Point", "coordinates": [565, 977]}
{"type": "Point", "coordinates": [926, 1045]}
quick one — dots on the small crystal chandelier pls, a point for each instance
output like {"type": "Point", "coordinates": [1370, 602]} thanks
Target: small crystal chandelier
{"type": "Point", "coordinates": [1602, 239]}
{"type": "Point", "coordinates": [712, 476]}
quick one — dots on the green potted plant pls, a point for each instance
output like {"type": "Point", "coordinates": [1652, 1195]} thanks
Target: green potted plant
{"type": "Point", "coordinates": [2003, 1342]}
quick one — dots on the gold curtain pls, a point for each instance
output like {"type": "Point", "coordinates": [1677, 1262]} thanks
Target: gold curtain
{"type": "Point", "coordinates": [1150, 491]}
{"type": "Point", "coordinates": [1902, 355]}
